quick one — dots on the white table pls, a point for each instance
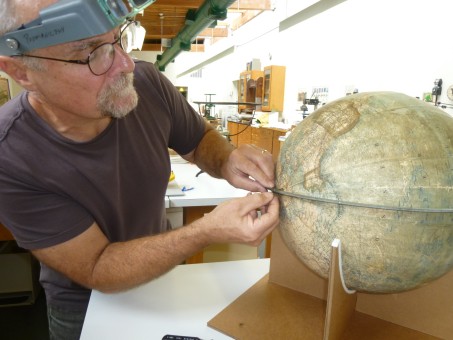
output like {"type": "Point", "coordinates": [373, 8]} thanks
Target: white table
{"type": "Point", "coordinates": [207, 190]}
{"type": "Point", "coordinates": [180, 302]}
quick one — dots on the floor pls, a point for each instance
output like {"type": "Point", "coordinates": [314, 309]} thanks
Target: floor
{"type": "Point", "coordinates": [25, 322]}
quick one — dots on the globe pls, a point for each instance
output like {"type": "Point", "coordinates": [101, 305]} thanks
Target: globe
{"type": "Point", "coordinates": [374, 170]}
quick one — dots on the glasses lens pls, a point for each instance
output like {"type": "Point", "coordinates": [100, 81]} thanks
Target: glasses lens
{"type": "Point", "coordinates": [121, 9]}
{"type": "Point", "coordinates": [101, 59]}
{"type": "Point", "coordinates": [128, 36]}
{"type": "Point", "coordinates": [118, 8]}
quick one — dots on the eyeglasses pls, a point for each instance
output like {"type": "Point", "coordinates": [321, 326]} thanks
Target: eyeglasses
{"type": "Point", "coordinates": [101, 59]}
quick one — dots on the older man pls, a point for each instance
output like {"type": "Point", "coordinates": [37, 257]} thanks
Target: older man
{"type": "Point", "coordinates": [84, 167]}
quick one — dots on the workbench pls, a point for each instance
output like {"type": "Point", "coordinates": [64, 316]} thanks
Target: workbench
{"type": "Point", "coordinates": [180, 302]}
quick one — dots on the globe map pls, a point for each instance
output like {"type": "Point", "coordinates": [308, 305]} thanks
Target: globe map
{"type": "Point", "coordinates": [392, 155]}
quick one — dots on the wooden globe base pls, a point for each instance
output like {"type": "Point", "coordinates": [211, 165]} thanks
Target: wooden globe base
{"type": "Point", "coordinates": [294, 303]}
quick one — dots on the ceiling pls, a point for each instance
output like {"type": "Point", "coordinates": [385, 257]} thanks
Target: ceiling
{"type": "Point", "coordinates": [164, 19]}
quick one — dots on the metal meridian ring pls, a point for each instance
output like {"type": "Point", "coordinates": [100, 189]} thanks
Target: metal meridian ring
{"type": "Point", "coordinates": [360, 205]}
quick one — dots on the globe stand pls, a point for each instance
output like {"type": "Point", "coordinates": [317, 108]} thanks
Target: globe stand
{"type": "Point", "coordinates": [341, 301]}
{"type": "Point", "coordinates": [293, 302]}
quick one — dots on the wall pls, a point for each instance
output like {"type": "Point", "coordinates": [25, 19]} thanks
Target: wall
{"type": "Point", "coordinates": [394, 45]}
{"type": "Point", "coordinates": [373, 45]}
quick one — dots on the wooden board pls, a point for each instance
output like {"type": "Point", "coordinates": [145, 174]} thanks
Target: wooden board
{"type": "Point", "coordinates": [428, 309]}
{"type": "Point", "coordinates": [341, 301]}
{"type": "Point", "coordinates": [268, 312]}
{"type": "Point", "coordinates": [272, 310]}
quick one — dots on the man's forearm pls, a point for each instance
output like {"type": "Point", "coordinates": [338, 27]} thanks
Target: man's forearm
{"type": "Point", "coordinates": [92, 261]}
{"type": "Point", "coordinates": [212, 152]}
{"type": "Point", "coordinates": [124, 265]}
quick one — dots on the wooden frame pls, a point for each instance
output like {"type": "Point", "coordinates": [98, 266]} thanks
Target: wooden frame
{"type": "Point", "coordinates": [5, 93]}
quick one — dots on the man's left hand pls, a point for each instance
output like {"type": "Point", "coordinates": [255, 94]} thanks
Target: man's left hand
{"type": "Point", "coordinates": [251, 168]}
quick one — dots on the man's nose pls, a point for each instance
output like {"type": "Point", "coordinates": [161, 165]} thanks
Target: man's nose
{"type": "Point", "coordinates": [122, 62]}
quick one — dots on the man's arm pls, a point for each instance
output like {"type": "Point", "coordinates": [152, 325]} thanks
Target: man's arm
{"type": "Point", "coordinates": [247, 167]}
{"type": "Point", "coordinates": [92, 261]}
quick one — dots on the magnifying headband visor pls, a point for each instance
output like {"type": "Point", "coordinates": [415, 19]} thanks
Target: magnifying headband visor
{"type": "Point", "coordinates": [70, 20]}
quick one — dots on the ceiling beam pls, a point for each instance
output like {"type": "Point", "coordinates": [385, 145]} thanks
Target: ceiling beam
{"type": "Point", "coordinates": [246, 5]}
{"type": "Point", "coordinates": [165, 19]}
{"type": "Point", "coordinates": [157, 47]}
{"type": "Point", "coordinates": [239, 4]}
{"type": "Point", "coordinates": [176, 3]}
{"type": "Point", "coordinates": [218, 32]}
{"type": "Point", "coordinates": [245, 18]}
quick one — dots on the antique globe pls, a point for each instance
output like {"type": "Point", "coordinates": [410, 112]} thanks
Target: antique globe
{"type": "Point", "coordinates": [374, 170]}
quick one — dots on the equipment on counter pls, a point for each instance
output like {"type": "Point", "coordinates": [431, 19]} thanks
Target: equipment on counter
{"type": "Point", "coordinates": [208, 111]}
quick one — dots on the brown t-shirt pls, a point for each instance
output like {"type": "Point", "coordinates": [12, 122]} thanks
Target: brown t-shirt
{"type": "Point", "coordinates": [52, 189]}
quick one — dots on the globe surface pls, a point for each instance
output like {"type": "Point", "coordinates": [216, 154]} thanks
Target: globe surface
{"type": "Point", "coordinates": [382, 150]}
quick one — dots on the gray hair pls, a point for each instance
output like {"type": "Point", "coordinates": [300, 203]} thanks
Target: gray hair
{"type": "Point", "coordinates": [9, 20]}
{"type": "Point", "coordinates": [8, 16]}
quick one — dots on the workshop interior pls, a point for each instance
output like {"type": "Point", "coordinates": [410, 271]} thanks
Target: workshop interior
{"type": "Point", "coordinates": [354, 101]}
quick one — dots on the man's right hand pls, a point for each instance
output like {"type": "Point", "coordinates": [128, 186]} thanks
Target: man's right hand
{"type": "Point", "coordinates": [238, 220]}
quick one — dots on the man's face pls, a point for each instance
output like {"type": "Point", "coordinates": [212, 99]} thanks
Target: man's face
{"type": "Point", "coordinates": [74, 89]}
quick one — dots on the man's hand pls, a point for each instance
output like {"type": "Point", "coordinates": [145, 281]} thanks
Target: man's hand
{"type": "Point", "coordinates": [250, 168]}
{"type": "Point", "coordinates": [247, 220]}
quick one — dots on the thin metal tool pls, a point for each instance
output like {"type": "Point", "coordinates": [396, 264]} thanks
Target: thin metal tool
{"type": "Point", "coordinates": [360, 205]}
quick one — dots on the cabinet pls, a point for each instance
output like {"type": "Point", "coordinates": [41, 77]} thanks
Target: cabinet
{"type": "Point", "coordinates": [262, 137]}
{"type": "Point", "coordinates": [244, 134]}
{"type": "Point", "coordinates": [249, 82]}
{"type": "Point", "coordinates": [273, 88]}
{"type": "Point", "coordinates": [233, 130]}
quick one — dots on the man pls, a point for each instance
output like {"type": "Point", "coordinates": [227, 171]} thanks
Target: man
{"type": "Point", "coordinates": [84, 166]}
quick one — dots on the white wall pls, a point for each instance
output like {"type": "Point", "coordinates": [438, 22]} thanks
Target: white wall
{"type": "Point", "coordinates": [374, 45]}
{"type": "Point", "coordinates": [394, 45]}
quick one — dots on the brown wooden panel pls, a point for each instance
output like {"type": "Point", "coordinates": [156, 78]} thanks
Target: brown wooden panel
{"type": "Point", "coordinates": [233, 130]}
{"type": "Point", "coordinates": [191, 214]}
{"type": "Point", "coordinates": [262, 138]}
{"type": "Point", "coordinates": [5, 234]}
{"type": "Point", "coordinates": [276, 144]}
{"type": "Point", "coordinates": [245, 134]}
{"type": "Point", "coordinates": [274, 88]}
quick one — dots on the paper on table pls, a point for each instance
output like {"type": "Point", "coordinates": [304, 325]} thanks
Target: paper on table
{"type": "Point", "coordinates": [173, 189]}
{"type": "Point", "coordinates": [177, 159]}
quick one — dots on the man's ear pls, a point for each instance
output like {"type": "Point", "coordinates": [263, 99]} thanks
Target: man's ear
{"type": "Point", "coordinates": [16, 70]}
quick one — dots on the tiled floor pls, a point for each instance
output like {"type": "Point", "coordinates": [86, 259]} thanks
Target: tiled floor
{"type": "Point", "coordinates": [25, 322]}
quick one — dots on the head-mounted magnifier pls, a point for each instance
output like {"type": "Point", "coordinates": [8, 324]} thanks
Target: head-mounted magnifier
{"type": "Point", "coordinates": [70, 20]}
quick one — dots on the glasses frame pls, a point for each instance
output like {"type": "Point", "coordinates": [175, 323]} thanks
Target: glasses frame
{"type": "Point", "coordinates": [87, 60]}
